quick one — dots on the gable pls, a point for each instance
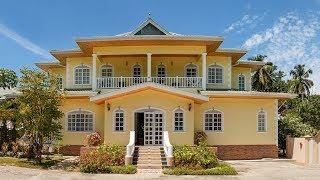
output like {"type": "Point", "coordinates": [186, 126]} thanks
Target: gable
{"type": "Point", "coordinates": [150, 29]}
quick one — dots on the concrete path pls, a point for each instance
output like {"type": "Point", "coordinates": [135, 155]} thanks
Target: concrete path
{"type": "Point", "coordinates": [248, 170]}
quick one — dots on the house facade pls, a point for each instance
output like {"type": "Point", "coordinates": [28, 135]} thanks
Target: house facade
{"type": "Point", "coordinates": [150, 82]}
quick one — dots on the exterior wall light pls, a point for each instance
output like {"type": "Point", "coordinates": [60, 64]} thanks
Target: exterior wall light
{"type": "Point", "coordinates": [108, 106]}
{"type": "Point", "coordinates": [190, 106]}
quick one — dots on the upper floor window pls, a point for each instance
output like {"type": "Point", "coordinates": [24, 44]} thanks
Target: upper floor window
{"type": "Point", "coordinates": [119, 120]}
{"type": "Point", "coordinates": [262, 121]}
{"type": "Point", "coordinates": [215, 74]}
{"type": "Point", "coordinates": [241, 82]}
{"type": "Point", "coordinates": [80, 121]}
{"type": "Point", "coordinates": [161, 70]}
{"type": "Point", "coordinates": [60, 82]}
{"type": "Point", "coordinates": [137, 70]}
{"type": "Point", "coordinates": [178, 120]}
{"type": "Point", "coordinates": [106, 71]}
{"type": "Point", "coordinates": [82, 75]}
{"type": "Point", "coordinates": [191, 70]}
{"type": "Point", "coordinates": [213, 121]}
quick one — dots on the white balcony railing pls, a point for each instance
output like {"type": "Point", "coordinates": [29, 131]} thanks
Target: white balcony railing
{"type": "Point", "coordinates": [120, 82]}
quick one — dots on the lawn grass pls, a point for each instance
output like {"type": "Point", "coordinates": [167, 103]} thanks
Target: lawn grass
{"type": "Point", "coordinates": [23, 162]}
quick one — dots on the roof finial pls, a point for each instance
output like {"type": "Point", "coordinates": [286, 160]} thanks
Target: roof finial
{"type": "Point", "coordinates": [149, 15]}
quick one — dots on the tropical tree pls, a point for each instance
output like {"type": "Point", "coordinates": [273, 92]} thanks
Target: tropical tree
{"type": "Point", "coordinates": [261, 79]}
{"type": "Point", "coordinates": [300, 84]}
{"type": "Point", "coordinates": [8, 78]}
{"type": "Point", "coordinates": [39, 110]}
{"type": "Point", "coordinates": [8, 118]}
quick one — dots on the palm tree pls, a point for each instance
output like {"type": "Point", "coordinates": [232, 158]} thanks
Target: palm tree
{"type": "Point", "coordinates": [262, 79]}
{"type": "Point", "coordinates": [300, 84]}
{"type": "Point", "coordinates": [8, 78]}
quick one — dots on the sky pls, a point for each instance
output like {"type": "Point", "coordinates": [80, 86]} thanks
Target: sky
{"type": "Point", "coordinates": [287, 31]}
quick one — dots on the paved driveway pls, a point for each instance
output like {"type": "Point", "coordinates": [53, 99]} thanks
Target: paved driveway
{"type": "Point", "coordinates": [247, 170]}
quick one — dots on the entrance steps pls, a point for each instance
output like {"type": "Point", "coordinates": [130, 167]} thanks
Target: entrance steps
{"type": "Point", "coordinates": [148, 158]}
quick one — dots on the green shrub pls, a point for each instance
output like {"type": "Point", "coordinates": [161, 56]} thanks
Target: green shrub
{"type": "Point", "coordinates": [197, 157]}
{"type": "Point", "coordinates": [104, 160]}
{"type": "Point", "coordinates": [123, 169]}
{"type": "Point", "coordinates": [221, 169]}
{"type": "Point", "coordinates": [200, 137]}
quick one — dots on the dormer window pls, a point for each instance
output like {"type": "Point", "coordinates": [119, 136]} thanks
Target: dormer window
{"type": "Point", "coordinates": [82, 75]}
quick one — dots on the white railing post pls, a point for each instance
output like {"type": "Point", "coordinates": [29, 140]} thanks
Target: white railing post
{"type": "Point", "coordinates": [121, 81]}
{"type": "Point", "coordinates": [168, 148]}
{"type": "Point", "coordinates": [130, 148]}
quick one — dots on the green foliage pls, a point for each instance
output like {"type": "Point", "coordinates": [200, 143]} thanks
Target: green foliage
{"type": "Point", "coordinates": [197, 157]}
{"type": "Point", "coordinates": [200, 137]}
{"type": "Point", "coordinates": [103, 159]}
{"type": "Point", "coordinates": [8, 78]}
{"type": "Point", "coordinates": [300, 84]}
{"type": "Point", "coordinates": [221, 169]}
{"type": "Point", "coordinates": [39, 109]}
{"type": "Point", "coordinates": [45, 164]}
{"type": "Point", "coordinates": [292, 124]}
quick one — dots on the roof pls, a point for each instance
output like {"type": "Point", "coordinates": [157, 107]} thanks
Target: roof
{"type": "Point", "coordinates": [254, 65]}
{"type": "Point", "coordinates": [46, 65]}
{"type": "Point", "coordinates": [8, 93]}
{"type": "Point", "coordinates": [248, 94]}
{"type": "Point", "coordinates": [145, 86]}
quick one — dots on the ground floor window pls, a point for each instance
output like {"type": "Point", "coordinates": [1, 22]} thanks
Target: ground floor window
{"type": "Point", "coordinates": [179, 120]}
{"type": "Point", "coordinates": [119, 120]}
{"type": "Point", "coordinates": [213, 121]}
{"type": "Point", "coordinates": [80, 121]}
{"type": "Point", "coordinates": [262, 119]}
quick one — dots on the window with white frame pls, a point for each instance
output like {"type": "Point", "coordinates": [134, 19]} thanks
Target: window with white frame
{"type": "Point", "coordinates": [178, 120]}
{"type": "Point", "coordinates": [262, 121]}
{"type": "Point", "coordinates": [213, 121]}
{"type": "Point", "coordinates": [191, 70]}
{"type": "Point", "coordinates": [82, 75]}
{"type": "Point", "coordinates": [241, 82]}
{"type": "Point", "coordinates": [137, 70]}
{"type": "Point", "coordinates": [106, 71]}
{"type": "Point", "coordinates": [215, 74]}
{"type": "Point", "coordinates": [60, 82]}
{"type": "Point", "coordinates": [119, 120]}
{"type": "Point", "coordinates": [161, 70]}
{"type": "Point", "coordinates": [80, 121]}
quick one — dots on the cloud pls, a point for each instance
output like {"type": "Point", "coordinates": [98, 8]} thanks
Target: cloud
{"type": "Point", "coordinates": [292, 39]}
{"type": "Point", "coordinates": [247, 21]}
{"type": "Point", "coordinates": [23, 42]}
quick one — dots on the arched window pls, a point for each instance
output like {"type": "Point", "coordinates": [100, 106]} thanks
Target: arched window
{"type": "Point", "coordinates": [262, 121]}
{"type": "Point", "coordinates": [106, 71]}
{"type": "Point", "coordinates": [191, 70]}
{"type": "Point", "coordinates": [241, 82]}
{"type": "Point", "coordinates": [82, 75]}
{"type": "Point", "coordinates": [118, 120]}
{"type": "Point", "coordinates": [161, 70]}
{"type": "Point", "coordinates": [213, 120]}
{"type": "Point", "coordinates": [81, 121]}
{"type": "Point", "coordinates": [59, 82]}
{"type": "Point", "coordinates": [137, 70]}
{"type": "Point", "coordinates": [215, 74]}
{"type": "Point", "coordinates": [179, 120]}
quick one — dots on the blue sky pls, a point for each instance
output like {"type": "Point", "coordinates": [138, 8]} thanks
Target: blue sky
{"type": "Point", "coordinates": [287, 31]}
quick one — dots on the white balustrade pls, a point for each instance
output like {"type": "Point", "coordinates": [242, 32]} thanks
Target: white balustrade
{"type": "Point", "coordinates": [130, 148]}
{"type": "Point", "coordinates": [168, 148]}
{"type": "Point", "coordinates": [120, 82]}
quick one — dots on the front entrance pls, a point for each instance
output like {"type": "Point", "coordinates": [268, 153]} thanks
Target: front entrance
{"type": "Point", "coordinates": [149, 127]}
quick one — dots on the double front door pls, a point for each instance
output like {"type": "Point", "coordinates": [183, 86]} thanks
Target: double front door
{"type": "Point", "coordinates": [153, 128]}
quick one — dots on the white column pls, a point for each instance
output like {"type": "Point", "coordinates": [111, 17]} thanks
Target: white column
{"type": "Point", "coordinates": [94, 72]}
{"type": "Point", "coordinates": [149, 66]}
{"type": "Point", "coordinates": [204, 70]}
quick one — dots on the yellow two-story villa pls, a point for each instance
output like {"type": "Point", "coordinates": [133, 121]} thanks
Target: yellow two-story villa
{"type": "Point", "coordinates": [152, 87]}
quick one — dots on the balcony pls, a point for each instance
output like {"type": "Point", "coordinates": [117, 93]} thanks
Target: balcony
{"type": "Point", "coordinates": [121, 82]}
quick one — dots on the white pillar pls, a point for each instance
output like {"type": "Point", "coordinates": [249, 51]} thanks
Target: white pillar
{"type": "Point", "coordinates": [149, 66]}
{"type": "Point", "coordinates": [204, 70]}
{"type": "Point", "coordinates": [94, 72]}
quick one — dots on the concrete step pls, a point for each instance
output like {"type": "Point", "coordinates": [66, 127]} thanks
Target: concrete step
{"type": "Point", "coordinates": [149, 154]}
{"type": "Point", "coordinates": [148, 158]}
{"type": "Point", "coordinates": [147, 161]}
{"type": "Point", "coordinates": [149, 151]}
{"type": "Point", "coordinates": [149, 166]}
